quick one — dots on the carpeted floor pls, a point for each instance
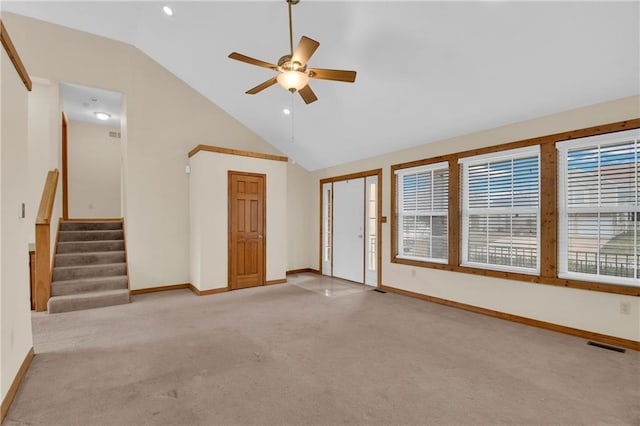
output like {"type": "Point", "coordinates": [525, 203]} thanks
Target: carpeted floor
{"type": "Point", "coordinates": [314, 351]}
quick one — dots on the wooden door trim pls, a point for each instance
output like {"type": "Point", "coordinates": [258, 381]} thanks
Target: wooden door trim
{"type": "Point", "coordinates": [351, 176]}
{"type": "Point", "coordinates": [65, 167]}
{"type": "Point", "coordinates": [264, 224]}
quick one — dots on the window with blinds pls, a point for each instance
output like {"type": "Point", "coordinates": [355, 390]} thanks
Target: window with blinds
{"type": "Point", "coordinates": [500, 210]}
{"type": "Point", "coordinates": [422, 211]}
{"type": "Point", "coordinates": [599, 205]}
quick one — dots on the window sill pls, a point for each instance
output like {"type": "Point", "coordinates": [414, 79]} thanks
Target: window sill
{"type": "Point", "coordinates": [627, 290]}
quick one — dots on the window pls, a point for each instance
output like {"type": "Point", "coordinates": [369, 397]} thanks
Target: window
{"type": "Point", "coordinates": [599, 195]}
{"type": "Point", "coordinates": [422, 211]}
{"type": "Point", "coordinates": [500, 210]}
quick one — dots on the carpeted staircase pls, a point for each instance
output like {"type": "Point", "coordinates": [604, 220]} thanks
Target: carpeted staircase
{"type": "Point", "coordinates": [90, 269]}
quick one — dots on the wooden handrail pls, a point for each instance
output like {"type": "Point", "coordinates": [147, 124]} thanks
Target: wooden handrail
{"type": "Point", "coordinates": [13, 55]}
{"type": "Point", "coordinates": [48, 198]}
{"type": "Point", "coordinates": [43, 241]}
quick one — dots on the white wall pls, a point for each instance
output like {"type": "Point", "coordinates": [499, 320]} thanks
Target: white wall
{"type": "Point", "coordinates": [15, 319]}
{"type": "Point", "coordinates": [94, 171]}
{"type": "Point", "coordinates": [165, 118]}
{"type": "Point", "coordinates": [587, 310]}
{"type": "Point", "coordinates": [44, 151]}
{"type": "Point", "coordinates": [208, 190]}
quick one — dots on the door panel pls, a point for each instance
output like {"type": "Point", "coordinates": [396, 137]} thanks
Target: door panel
{"type": "Point", "coordinates": [348, 229]}
{"type": "Point", "coordinates": [246, 230]}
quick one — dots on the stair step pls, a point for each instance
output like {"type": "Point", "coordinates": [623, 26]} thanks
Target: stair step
{"type": "Point", "coordinates": [90, 258]}
{"type": "Point", "coordinates": [90, 226]}
{"type": "Point", "coordinates": [64, 288]}
{"type": "Point", "coordinates": [66, 273]}
{"type": "Point", "coordinates": [89, 246]}
{"type": "Point", "coordinates": [77, 302]}
{"type": "Point", "coordinates": [64, 236]}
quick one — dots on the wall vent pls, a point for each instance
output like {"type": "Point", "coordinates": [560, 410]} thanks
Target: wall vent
{"type": "Point", "coordinates": [114, 134]}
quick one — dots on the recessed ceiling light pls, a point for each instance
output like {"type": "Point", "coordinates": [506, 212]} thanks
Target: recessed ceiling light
{"type": "Point", "coordinates": [286, 111]}
{"type": "Point", "coordinates": [102, 115]}
{"type": "Point", "coordinates": [167, 10]}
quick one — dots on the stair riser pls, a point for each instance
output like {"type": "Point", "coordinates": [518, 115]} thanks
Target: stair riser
{"type": "Point", "coordinates": [90, 226]}
{"type": "Point", "coordinates": [79, 259]}
{"type": "Point", "coordinates": [61, 288]}
{"type": "Point", "coordinates": [65, 236]}
{"type": "Point", "coordinates": [75, 273]}
{"type": "Point", "coordinates": [83, 247]}
{"type": "Point", "coordinates": [57, 305]}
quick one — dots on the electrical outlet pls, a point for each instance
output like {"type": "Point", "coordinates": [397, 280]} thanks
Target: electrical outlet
{"type": "Point", "coordinates": [625, 308]}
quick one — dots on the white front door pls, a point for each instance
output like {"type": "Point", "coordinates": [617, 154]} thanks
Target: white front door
{"type": "Point", "coordinates": [348, 229]}
{"type": "Point", "coordinates": [371, 243]}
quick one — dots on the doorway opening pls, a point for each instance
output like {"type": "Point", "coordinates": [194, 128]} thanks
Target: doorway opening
{"type": "Point", "coordinates": [92, 152]}
{"type": "Point", "coordinates": [351, 207]}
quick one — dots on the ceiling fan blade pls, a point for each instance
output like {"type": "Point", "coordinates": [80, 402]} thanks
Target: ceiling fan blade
{"type": "Point", "coordinates": [336, 75]}
{"type": "Point", "coordinates": [260, 87]}
{"type": "Point", "coordinates": [307, 94]}
{"type": "Point", "coordinates": [305, 49]}
{"type": "Point", "coordinates": [243, 58]}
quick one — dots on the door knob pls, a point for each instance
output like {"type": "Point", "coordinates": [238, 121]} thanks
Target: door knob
{"type": "Point", "coordinates": [259, 236]}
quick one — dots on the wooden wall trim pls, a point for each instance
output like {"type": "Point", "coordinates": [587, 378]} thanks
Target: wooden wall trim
{"type": "Point", "coordinates": [160, 288]}
{"type": "Point", "coordinates": [207, 292]}
{"type": "Point", "coordinates": [548, 211]}
{"type": "Point", "coordinates": [303, 271]}
{"type": "Point", "coordinates": [94, 219]}
{"type": "Point", "coordinates": [273, 282]}
{"type": "Point", "coordinates": [222, 150]}
{"type": "Point", "coordinates": [15, 58]}
{"type": "Point", "coordinates": [603, 338]}
{"type": "Point", "coordinates": [15, 384]}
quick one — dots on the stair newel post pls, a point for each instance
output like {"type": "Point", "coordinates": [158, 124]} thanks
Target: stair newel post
{"type": "Point", "coordinates": [43, 241]}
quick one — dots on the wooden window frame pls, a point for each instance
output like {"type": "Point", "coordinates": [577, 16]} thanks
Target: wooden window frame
{"type": "Point", "coordinates": [548, 211]}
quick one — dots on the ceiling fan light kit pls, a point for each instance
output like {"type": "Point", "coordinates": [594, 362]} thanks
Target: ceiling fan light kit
{"type": "Point", "coordinates": [292, 68]}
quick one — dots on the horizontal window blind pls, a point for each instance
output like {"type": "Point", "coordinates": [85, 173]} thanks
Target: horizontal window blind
{"type": "Point", "coordinates": [599, 208]}
{"type": "Point", "coordinates": [422, 211]}
{"type": "Point", "coordinates": [500, 210]}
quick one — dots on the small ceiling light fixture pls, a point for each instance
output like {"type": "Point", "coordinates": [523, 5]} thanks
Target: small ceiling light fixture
{"type": "Point", "coordinates": [286, 111]}
{"type": "Point", "coordinates": [167, 10]}
{"type": "Point", "coordinates": [102, 115]}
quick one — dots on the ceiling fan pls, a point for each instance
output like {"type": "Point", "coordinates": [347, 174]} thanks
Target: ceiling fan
{"type": "Point", "coordinates": [293, 73]}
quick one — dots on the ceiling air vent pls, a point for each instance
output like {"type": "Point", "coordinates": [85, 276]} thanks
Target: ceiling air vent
{"type": "Point", "coordinates": [114, 135]}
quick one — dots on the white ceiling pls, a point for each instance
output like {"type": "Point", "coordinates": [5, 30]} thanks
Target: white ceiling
{"type": "Point", "coordinates": [81, 103]}
{"type": "Point", "coordinates": [426, 70]}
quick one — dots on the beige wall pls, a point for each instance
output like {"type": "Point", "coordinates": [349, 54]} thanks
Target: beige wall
{"type": "Point", "coordinates": [95, 161]}
{"type": "Point", "coordinates": [165, 118]}
{"type": "Point", "coordinates": [586, 310]}
{"type": "Point", "coordinates": [15, 319]}
{"type": "Point", "coordinates": [209, 229]}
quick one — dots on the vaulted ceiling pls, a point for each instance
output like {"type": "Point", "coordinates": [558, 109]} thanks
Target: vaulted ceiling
{"type": "Point", "coordinates": [426, 70]}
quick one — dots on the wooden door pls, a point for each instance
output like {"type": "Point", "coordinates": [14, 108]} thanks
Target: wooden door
{"type": "Point", "coordinates": [246, 229]}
